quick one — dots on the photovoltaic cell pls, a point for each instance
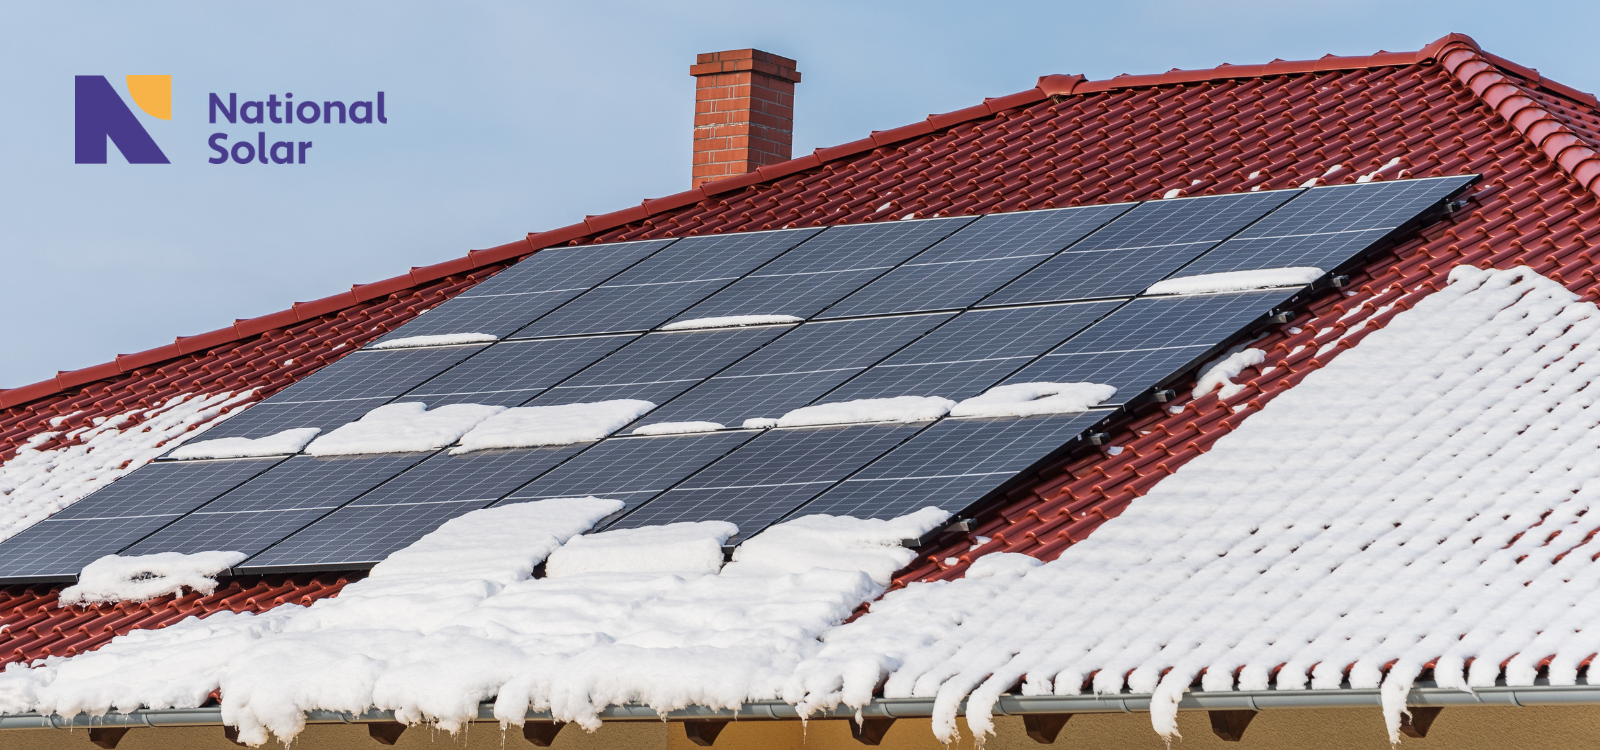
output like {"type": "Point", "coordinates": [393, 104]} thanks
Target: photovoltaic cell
{"type": "Point", "coordinates": [975, 261]}
{"type": "Point", "coordinates": [534, 286]}
{"type": "Point", "coordinates": [657, 366]}
{"type": "Point", "coordinates": [1139, 248]}
{"type": "Point", "coordinates": [976, 350]}
{"type": "Point", "coordinates": [409, 506]}
{"type": "Point", "coordinates": [794, 369]}
{"type": "Point", "coordinates": [119, 514]}
{"type": "Point", "coordinates": [824, 270]}
{"type": "Point", "coordinates": [769, 476]}
{"type": "Point", "coordinates": [667, 283]}
{"type": "Point", "coordinates": [511, 372]}
{"type": "Point", "coordinates": [275, 504]}
{"type": "Point", "coordinates": [951, 465]}
{"type": "Point", "coordinates": [632, 469]}
{"type": "Point", "coordinates": [1326, 226]}
{"type": "Point", "coordinates": [1151, 338]}
{"type": "Point", "coordinates": [343, 391]}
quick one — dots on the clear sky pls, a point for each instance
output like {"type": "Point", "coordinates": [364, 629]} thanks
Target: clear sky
{"type": "Point", "coordinates": [506, 118]}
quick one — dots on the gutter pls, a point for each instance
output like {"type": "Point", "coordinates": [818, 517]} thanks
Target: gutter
{"type": "Point", "coordinates": [1425, 694]}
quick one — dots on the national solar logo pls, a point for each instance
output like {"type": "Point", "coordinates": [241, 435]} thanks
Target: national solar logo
{"type": "Point", "coordinates": [100, 114]}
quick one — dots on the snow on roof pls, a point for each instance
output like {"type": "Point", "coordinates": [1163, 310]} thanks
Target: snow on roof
{"type": "Point", "coordinates": [444, 339]}
{"type": "Point", "coordinates": [277, 444]}
{"type": "Point", "coordinates": [1236, 281]}
{"type": "Point", "coordinates": [401, 428]}
{"type": "Point", "coordinates": [1033, 399]}
{"type": "Point", "coordinates": [862, 411]}
{"type": "Point", "coordinates": [1413, 502]}
{"type": "Point", "coordinates": [115, 578]}
{"type": "Point", "coordinates": [531, 426]}
{"type": "Point", "coordinates": [729, 321]}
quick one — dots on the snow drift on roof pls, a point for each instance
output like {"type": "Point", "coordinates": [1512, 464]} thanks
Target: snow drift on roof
{"type": "Point", "coordinates": [402, 428]}
{"type": "Point", "coordinates": [455, 619]}
{"type": "Point", "coordinates": [1220, 374]}
{"type": "Point", "coordinates": [1378, 512]}
{"type": "Point", "coordinates": [679, 548]}
{"type": "Point", "coordinates": [36, 483]}
{"type": "Point", "coordinates": [862, 410]}
{"type": "Point", "coordinates": [441, 339]}
{"type": "Point", "coordinates": [1237, 281]}
{"type": "Point", "coordinates": [138, 578]}
{"type": "Point", "coordinates": [729, 321]}
{"type": "Point", "coordinates": [1033, 399]}
{"type": "Point", "coordinates": [677, 428]}
{"type": "Point", "coordinates": [533, 426]}
{"type": "Point", "coordinates": [277, 444]}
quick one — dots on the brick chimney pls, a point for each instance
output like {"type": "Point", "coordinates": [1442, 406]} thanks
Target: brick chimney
{"type": "Point", "coordinates": [743, 112]}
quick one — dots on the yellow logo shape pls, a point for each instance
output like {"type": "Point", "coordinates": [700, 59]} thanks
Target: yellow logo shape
{"type": "Point", "coordinates": [153, 94]}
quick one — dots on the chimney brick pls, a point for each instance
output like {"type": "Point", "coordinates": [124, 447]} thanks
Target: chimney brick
{"type": "Point", "coordinates": [743, 112]}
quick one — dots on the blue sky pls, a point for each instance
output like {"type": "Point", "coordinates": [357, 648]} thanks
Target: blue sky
{"type": "Point", "coordinates": [506, 118]}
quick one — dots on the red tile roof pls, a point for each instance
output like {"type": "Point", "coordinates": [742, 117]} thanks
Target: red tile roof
{"type": "Point", "coordinates": [1449, 108]}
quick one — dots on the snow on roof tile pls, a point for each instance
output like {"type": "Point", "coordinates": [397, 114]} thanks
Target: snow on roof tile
{"type": "Point", "coordinates": [1442, 110]}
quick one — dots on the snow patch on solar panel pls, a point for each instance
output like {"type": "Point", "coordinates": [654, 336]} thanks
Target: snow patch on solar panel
{"type": "Point", "coordinates": [282, 443]}
{"type": "Point", "coordinates": [38, 481]}
{"type": "Point", "coordinates": [678, 549]}
{"type": "Point", "coordinates": [442, 339]}
{"type": "Point", "coordinates": [677, 428]}
{"type": "Point", "coordinates": [730, 321]}
{"type": "Point", "coordinates": [1377, 513]}
{"type": "Point", "coordinates": [1237, 281]}
{"type": "Point", "coordinates": [1034, 399]}
{"type": "Point", "coordinates": [533, 426]}
{"type": "Point", "coordinates": [899, 409]}
{"type": "Point", "coordinates": [457, 618]}
{"type": "Point", "coordinates": [138, 578]}
{"type": "Point", "coordinates": [402, 428]}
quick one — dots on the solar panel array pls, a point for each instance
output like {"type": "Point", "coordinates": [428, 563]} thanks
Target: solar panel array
{"type": "Point", "coordinates": [946, 307]}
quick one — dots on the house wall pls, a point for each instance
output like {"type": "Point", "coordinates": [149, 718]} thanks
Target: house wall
{"type": "Point", "coordinates": [1494, 728]}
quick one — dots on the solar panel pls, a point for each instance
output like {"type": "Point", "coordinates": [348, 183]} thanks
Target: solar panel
{"type": "Point", "coordinates": [951, 465]}
{"type": "Point", "coordinates": [1326, 226]}
{"type": "Point", "coordinates": [972, 352]}
{"type": "Point", "coordinates": [657, 366]}
{"type": "Point", "coordinates": [666, 283]}
{"type": "Point", "coordinates": [343, 391]}
{"type": "Point", "coordinates": [975, 261]}
{"type": "Point", "coordinates": [824, 270]}
{"type": "Point", "coordinates": [1149, 340]}
{"type": "Point", "coordinates": [1139, 248]}
{"type": "Point", "coordinates": [632, 469]}
{"type": "Point", "coordinates": [275, 504]}
{"type": "Point", "coordinates": [534, 286]}
{"type": "Point", "coordinates": [404, 509]}
{"type": "Point", "coordinates": [118, 515]}
{"type": "Point", "coordinates": [794, 369]}
{"type": "Point", "coordinates": [769, 476]}
{"type": "Point", "coordinates": [511, 372]}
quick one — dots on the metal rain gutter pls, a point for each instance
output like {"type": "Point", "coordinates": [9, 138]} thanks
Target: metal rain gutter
{"type": "Point", "coordinates": [1424, 694]}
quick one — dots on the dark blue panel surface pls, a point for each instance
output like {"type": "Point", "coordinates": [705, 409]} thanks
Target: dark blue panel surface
{"type": "Point", "coordinates": [534, 286]}
{"type": "Point", "coordinates": [657, 366]}
{"type": "Point", "coordinates": [975, 261]}
{"type": "Point", "coordinates": [1139, 248]}
{"type": "Point", "coordinates": [356, 536]}
{"type": "Point", "coordinates": [950, 466]}
{"type": "Point", "coordinates": [825, 269]}
{"type": "Point", "coordinates": [632, 469]}
{"type": "Point", "coordinates": [976, 350]}
{"type": "Point", "coordinates": [480, 475]}
{"type": "Point", "coordinates": [511, 372]}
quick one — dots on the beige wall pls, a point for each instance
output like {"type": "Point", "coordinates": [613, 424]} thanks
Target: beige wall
{"type": "Point", "coordinates": [1346, 729]}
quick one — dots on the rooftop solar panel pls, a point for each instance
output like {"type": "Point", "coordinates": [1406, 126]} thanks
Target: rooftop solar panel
{"type": "Point", "coordinates": [769, 476]}
{"type": "Point", "coordinates": [1139, 248]}
{"type": "Point", "coordinates": [1327, 226]}
{"type": "Point", "coordinates": [1149, 340]}
{"type": "Point", "coordinates": [275, 504]}
{"type": "Point", "coordinates": [511, 372]}
{"type": "Point", "coordinates": [118, 515]}
{"type": "Point", "coordinates": [975, 261]}
{"type": "Point", "coordinates": [667, 283]}
{"type": "Point", "coordinates": [950, 466]}
{"type": "Point", "coordinates": [972, 352]}
{"type": "Point", "coordinates": [794, 369]}
{"type": "Point", "coordinates": [657, 366]}
{"type": "Point", "coordinates": [534, 286]}
{"type": "Point", "coordinates": [825, 269]}
{"type": "Point", "coordinates": [343, 391]}
{"type": "Point", "coordinates": [653, 464]}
